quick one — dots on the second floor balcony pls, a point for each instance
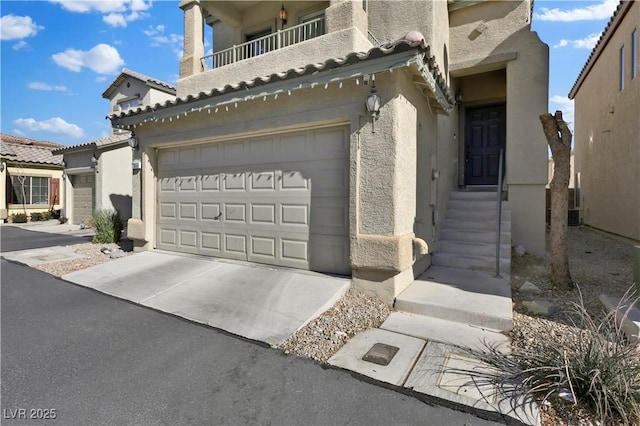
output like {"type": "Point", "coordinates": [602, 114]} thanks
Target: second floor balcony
{"type": "Point", "coordinates": [262, 44]}
{"type": "Point", "coordinates": [251, 39]}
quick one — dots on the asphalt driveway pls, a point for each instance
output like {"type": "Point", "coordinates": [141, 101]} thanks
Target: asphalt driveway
{"type": "Point", "coordinates": [13, 238]}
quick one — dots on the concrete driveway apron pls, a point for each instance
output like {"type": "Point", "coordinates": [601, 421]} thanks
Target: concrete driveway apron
{"type": "Point", "coordinates": [254, 301]}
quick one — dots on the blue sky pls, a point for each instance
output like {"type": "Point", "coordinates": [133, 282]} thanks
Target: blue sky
{"type": "Point", "coordinates": [59, 56]}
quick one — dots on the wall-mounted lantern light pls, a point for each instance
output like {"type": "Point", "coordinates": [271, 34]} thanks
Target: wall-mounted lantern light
{"type": "Point", "coordinates": [283, 16]}
{"type": "Point", "coordinates": [373, 106]}
{"type": "Point", "coordinates": [133, 142]}
{"type": "Point", "coordinates": [2, 166]}
{"type": "Point", "coordinates": [94, 161]}
{"type": "Point", "coordinates": [458, 97]}
{"type": "Point", "coordinates": [64, 164]}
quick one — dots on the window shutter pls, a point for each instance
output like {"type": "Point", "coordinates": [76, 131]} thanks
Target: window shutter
{"type": "Point", "coordinates": [54, 191]}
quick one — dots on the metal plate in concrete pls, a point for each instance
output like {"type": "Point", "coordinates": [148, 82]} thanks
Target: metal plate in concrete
{"type": "Point", "coordinates": [43, 255]}
{"type": "Point", "coordinates": [440, 372]}
{"type": "Point", "coordinates": [350, 355]}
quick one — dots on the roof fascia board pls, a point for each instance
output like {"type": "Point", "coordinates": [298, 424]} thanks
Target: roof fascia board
{"type": "Point", "coordinates": [386, 63]}
{"type": "Point", "coordinates": [440, 97]}
{"type": "Point", "coordinates": [461, 4]}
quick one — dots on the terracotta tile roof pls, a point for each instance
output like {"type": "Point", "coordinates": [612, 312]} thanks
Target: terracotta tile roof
{"type": "Point", "coordinates": [398, 46]}
{"type": "Point", "coordinates": [24, 150]}
{"type": "Point", "coordinates": [163, 85]}
{"type": "Point", "coordinates": [98, 143]}
{"type": "Point", "coordinates": [613, 23]}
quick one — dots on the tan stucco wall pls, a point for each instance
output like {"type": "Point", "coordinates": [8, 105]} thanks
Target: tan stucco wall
{"type": "Point", "coordinates": [29, 171]}
{"type": "Point", "coordinates": [113, 179]}
{"type": "Point", "coordinates": [607, 138]}
{"type": "Point", "coordinates": [137, 89]}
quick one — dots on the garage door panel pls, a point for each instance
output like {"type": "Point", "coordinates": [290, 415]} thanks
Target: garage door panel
{"type": "Point", "coordinates": [168, 210]}
{"type": "Point", "coordinates": [329, 254]}
{"type": "Point", "coordinates": [234, 182]}
{"type": "Point", "coordinates": [188, 211]}
{"type": "Point", "coordinates": [210, 183]}
{"type": "Point", "coordinates": [83, 196]}
{"type": "Point", "coordinates": [294, 214]}
{"type": "Point", "coordinates": [210, 211]}
{"type": "Point", "coordinates": [188, 239]}
{"type": "Point", "coordinates": [235, 245]}
{"type": "Point", "coordinates": [264, 214]}
{"type": "Point", "coordinates": [278, 199]}
{"type": "Point", "coordinates": [263, 181]}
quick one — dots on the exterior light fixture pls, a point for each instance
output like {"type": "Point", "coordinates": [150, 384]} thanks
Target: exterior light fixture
{"type": "Point", "coordinates": [64, 164]}
{"type": "Point", "coordinates": [458, 97]}
{"type": "Point", "coordinates": [94, 160]}
{"type": "Point", "coordinates": [283, 16]}
{"type": "Point", "coordinates": [373, 106]}
{"type": "Point", "coordinates": [2, 166]}
{"type": "Point", "coordinates": [133, 142]}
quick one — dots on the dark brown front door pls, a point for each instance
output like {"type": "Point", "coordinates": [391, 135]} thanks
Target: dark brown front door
{"type": "Point", "coordinates": [485, 134]}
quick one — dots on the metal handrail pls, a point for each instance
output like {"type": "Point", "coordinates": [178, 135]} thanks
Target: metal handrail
{"type": "Point", "coordinates": [499, 211]}
{"type": "Point", "coordinates": [268, 43]}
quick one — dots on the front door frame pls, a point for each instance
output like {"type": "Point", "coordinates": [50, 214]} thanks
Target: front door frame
{"type": "Point", "coordinates": [486, 181]}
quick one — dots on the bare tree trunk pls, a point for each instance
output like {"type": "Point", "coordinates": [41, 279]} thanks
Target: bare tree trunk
{"type": "Point", "coordinates": [559, 139]}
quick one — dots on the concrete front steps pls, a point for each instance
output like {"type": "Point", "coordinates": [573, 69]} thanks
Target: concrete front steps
{"type": "Point", "coordinates": [468, 233]}
{"type": "Point", "coordinates": [459, 300]}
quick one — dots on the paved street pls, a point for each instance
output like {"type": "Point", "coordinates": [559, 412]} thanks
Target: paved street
{"type": "Point", "coordinates": [99, 360]}
{"type": "Point", "coordinates": [13, 238]}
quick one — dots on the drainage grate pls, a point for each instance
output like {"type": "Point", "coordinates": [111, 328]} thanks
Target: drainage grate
{"type": "Point", "coordinates": [381, 354]}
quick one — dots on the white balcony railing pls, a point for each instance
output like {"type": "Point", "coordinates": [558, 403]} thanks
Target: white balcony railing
{"type": "Point", "coordinates": [262, 45]}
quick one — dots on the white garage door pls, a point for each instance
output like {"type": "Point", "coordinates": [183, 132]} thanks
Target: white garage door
{"type": "Point", "coordinates": [280, 200]}
{"type": "Point", "coordinates": [82, 197]}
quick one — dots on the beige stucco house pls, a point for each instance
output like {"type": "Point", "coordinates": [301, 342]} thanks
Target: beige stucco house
{"type": "Point", "coordinates": [269, 153]}
{"type": "Point", "coordinates": [99, 173]}
{"type": "Point", "coordinates": [607, 128]}
{"type": "Point", "coordinates": [31, 176]}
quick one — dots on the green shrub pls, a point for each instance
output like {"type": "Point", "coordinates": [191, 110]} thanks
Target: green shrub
{"type": "Point", "coordinates": [19, 218]}
{"type": "Point", "coordinates": [35, 217]}
{"type": "Point", "coordinates": [595, 366]}
{"type": "Point", "coordinates": [107, 226]}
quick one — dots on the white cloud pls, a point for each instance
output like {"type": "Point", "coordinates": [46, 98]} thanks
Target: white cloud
{"type": "Point", "coordinates": [38, 85]}
{"type": "Point", "coordinates": [14, 27]}
{"type": "Point", "coordinates": [102, 58]}
{"type": "Point", "coordinates": [584, 43]}
{"type": "Point", "coordinates": [603, 10]}
{"type": "Point", "coordinates": [565, 105]}
{"type": "Point", "coordinates": [117, 13]}
{"type": "Point", "coordinates": [20, 45]}
{"type": "Point", "coordinates": [54, 125]}
{"type": "Point", "coordinates": [159, 39]}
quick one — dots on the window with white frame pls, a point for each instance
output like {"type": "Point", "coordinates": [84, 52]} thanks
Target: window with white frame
{"type": "Point", "coordinates": [622, 68]}
{"type": "Point", "coordinates": [129, 103]}
{"type": "Point", "coordinates": [634, 54]}
{"type": "Point", "coordinates": [29, 190]}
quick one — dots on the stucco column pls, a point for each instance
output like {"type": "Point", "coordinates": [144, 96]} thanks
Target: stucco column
{"type": "Point", "coordinates": [526, 151]}
{"type": "Point", "coordinates": [193, 49]}
{"type": "Point", "coordinates": [382, 248]}
{"type": "Point", "coordinates": [343, 14]}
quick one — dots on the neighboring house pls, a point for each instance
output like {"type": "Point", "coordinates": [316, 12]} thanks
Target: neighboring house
{"type": "Point", "coordinates": [100, 172]}
{"type": "Point", "coordinates": [607, 128]}
{"type": "Point", "coordinates": [270, 155]}
{"type": "Point", "coordinates": [31, 176]}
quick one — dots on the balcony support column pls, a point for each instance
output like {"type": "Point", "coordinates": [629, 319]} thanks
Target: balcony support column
{"type": "Point", "coordinates": [343, 14]}
{"type": "Point", "coordinates": [193, 49]}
